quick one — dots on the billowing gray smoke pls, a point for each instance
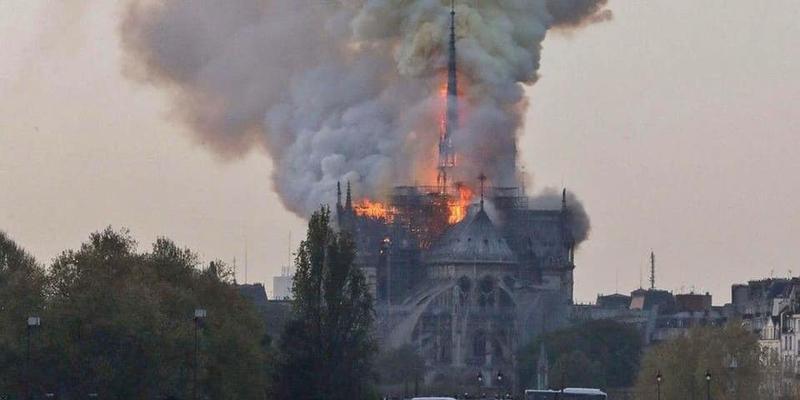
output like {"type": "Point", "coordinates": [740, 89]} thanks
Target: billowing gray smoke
{"type": "Point", "coordinates": [578, 219]}
{"type": "Point", "coordinates": [342, 90]}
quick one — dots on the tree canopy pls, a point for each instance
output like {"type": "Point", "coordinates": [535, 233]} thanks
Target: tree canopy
{"type": "Point", "coordinates": [402, 366]}
{"type": "Point", "coordinates": [599, 353]}
{"type": "Point", "coordinates": [730, 354]}
{"type": "Point", "coordinates": [119, 323]}
{"type": "Point", "coordinates": [22, 282]}
{"type": "Point", "coordinates": [326, 348]}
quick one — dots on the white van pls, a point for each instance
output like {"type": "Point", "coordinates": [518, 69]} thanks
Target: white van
{"type": "Point", "coordinates": [433, 398]}
{"type": "Point", "coordinates": [566, 394]}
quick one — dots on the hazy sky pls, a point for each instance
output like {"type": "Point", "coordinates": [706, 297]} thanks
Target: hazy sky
{"type": "Point", "coordinates": [676, 123]}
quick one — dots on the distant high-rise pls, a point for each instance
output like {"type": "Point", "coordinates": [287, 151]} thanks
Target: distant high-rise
{"type": "Point", "coordinates": [282, 285]}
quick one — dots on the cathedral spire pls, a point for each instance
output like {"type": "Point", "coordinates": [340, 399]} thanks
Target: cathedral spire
{"type": "Point", "coordinates": [338, 195]}
{"type": "Point", "coordinates": [348, 205]}
{"type": "Point", "coordinates": [447, 157]}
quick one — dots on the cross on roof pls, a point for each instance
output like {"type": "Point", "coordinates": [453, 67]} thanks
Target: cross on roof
{"type": "Point", "coordinates": [482, 178]}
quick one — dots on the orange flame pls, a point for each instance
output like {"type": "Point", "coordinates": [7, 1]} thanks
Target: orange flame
{"type": "Point", "coordinates": [458, 206]}
{"type": "Point", "coordinates": [373, 209]}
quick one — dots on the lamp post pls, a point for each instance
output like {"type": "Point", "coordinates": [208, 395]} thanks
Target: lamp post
{"type": "Point", "coordinates": [708, 385]}
{"type": "Point", "coordinates": [33, 322]}
{"type": "Point", "coordinates": [658, 385]}
{"type": "Point", "coordinates": [480, 385]}
{"type": "Point", "coordinates": [500, 381]}
{"type": "Point", "coordinates": [199, 315]}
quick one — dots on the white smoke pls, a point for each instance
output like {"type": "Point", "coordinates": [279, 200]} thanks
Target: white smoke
{"type": "Point", "coordinates": [347, 90]}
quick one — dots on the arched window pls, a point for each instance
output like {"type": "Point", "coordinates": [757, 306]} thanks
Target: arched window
{"type": "Point", "coordinates": [505, 300]}
{"type": "Point", "coordinates": [479, 346]}
{"type": "Point", "coordinates": [464, 287]}
{"type": "Point", "coordinates": [486, 290]}
{"type": "Point", "coordinates": [497, 350]}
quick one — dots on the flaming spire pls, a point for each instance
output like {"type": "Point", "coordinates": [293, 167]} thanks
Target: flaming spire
{"type": "Point", "coordinates": [447, 157]}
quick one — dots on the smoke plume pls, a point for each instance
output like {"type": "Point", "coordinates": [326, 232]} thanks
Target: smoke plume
{"type": "Point", "coordinates": [577, 218]}
{"type": "Point", "coordinates": [347, 90]}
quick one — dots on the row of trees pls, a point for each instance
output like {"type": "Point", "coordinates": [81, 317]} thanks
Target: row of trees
{"type": "Point", "coordinates": [597, 354]}
{"type": "Point", "coordinates": [119, 322]}
{"type": "Point", "coordinates": [606, 354]}
{"type": "Point", "coordinates": [730, 356]}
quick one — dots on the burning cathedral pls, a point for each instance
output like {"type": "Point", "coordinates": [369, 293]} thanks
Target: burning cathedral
{"type": "Point", "coordinates": [465, 272]}
{"type": "Point", "coordinates": [464, 264]}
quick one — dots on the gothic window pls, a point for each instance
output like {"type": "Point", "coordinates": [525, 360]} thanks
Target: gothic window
{"type": "Point", "coordinates": [486, 292]}
{"type": "Point", "coordinates": [505, 300]}
{"type": "Point", "coordinates": [497, 350]}
{"type": "Point", "coordinates": [445, 349]}
{"type": "Point", "coordinates": [464, 286]}
{"type": "Point", "coordinates": [479, 345]}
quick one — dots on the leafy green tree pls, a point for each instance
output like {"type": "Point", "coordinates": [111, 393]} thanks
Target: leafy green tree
{"type": "Point", "coordinates": [120, 323]}
{"type": "Point", "coordinates": [402, 366]}
{"type": "Point", "coordinates": [575, 369]}
{"type": "Point", "coordinates": [612, 349]}
{"type": "Point", "coordinates": [683, 363]}
{"type": "Point", "coordinates": [21, 295]}
{"type": "Point", "coordinates": [326, 348]}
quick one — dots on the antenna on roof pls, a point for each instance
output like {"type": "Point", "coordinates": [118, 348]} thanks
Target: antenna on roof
{"type": "Point", "coordinates": [289, 255]}
{"type": "Point", "coordinates": [640, 277]}
{"type": "Point", "coordinates": [245, 260]}
{"type": "Point", "coordinates": [652, 270]}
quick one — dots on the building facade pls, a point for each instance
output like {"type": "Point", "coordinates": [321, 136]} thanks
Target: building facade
{"type": "Point", "coordinates": [466, 295]}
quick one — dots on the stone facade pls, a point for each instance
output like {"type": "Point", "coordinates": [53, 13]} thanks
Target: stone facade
{"type": "Point", "coordinates": [484, 287]}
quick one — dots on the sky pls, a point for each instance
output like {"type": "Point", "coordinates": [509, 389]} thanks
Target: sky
{"type": "Point", "coordinates": [676, 123]}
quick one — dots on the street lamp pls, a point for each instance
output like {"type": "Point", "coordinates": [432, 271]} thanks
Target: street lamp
{"type": "Point", "coordinates": [33, 322]}
{"type": "Point", "coordinates": [199, 315]}
{"type": "Point", "coordinates": [659, 378]}
{"type": "Point", "coordinates": [708, 385]}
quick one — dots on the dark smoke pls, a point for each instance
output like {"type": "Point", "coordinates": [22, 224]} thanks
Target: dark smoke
{"type": "Point", "coordinates": [578, 218]}
{"type": "Point", "coordinates": [575, 13]}
{"type": "Point", "coordinates": [348, 89]}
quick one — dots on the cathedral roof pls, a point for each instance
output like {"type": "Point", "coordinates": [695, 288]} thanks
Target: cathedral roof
{"type": "Point", "coordinates": [475, 240]}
